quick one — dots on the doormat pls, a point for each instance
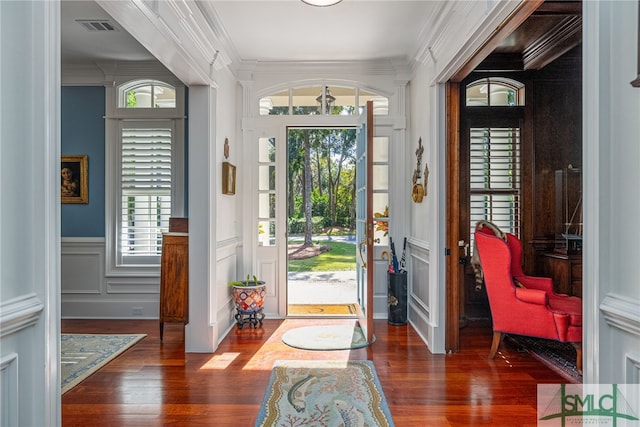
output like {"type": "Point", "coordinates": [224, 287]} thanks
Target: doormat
{"type": "Point", "coordinates": [326, 337]}
{"type": "Point", "coordinates": [84, 354]}
{"type": "Point", "coordinates": [323, 309]}
{"type": "Point", "coordinates": [324, 393]}
{"type": "Point", "coordinates": [558, 356]}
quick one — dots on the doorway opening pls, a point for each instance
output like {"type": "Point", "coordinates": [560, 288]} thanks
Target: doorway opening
{"type": "Point", "coordinates": [321, 218]}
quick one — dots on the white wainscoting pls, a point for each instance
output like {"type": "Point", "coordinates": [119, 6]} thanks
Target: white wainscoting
{"type": "Point", "coordinates": [422, 297]}
{"type": "Point", "coordinates": [226, 266]}
{"type": "Point", "coordinates": [623, 320]}
{"type": "Point", "coordinates": [88, 293]}
{"type": "Point", "coordinates": [632, 368]}
{"type": "Point", "coordinates": [9, 385]}
{"type": "Point", "coordinates": [16, 315]}
{"type": "Point", "coordinates": [380, 291]}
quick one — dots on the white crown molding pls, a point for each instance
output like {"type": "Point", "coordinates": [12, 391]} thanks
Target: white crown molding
{"type": "Point", "coordinates": [19, 313]}
{"type": "Point", "coordinates": [171, 31]}
{"type": "Point", "coordinates": [384, 67]}
{"type": "Point", "coordinates": [621, 312]}
{"type": "Point", "coordinates": [432, 31]}
{"type": "Point", "coordinates": [96, 73]}
{"type": "Point", "coordinates": [467, 28]}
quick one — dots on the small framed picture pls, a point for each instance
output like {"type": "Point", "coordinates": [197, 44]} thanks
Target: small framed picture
{"type": "Point", "coordinates": [74, 179]}
{"type": "Point", "coordinates": [228, 178]}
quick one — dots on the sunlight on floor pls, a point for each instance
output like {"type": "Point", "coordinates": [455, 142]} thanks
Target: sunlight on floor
{"type": "Point", "coordinates": [274, 349]}
{"type": "Point", "coordinates": [220, 361]}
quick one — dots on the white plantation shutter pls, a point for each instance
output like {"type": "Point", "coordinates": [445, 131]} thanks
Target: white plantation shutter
{"type": "Point", "coordinates": [145, 179]}
{"type": "Point", "coordinates": [495, 178]}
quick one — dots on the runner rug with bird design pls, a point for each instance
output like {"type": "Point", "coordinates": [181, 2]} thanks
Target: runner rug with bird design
{"type": "Point", "coordinates": [324, 393]}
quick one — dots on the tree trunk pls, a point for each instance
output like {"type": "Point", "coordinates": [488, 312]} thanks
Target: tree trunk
{"type": "Point", "coordinates": [330, 190]}
{"type": "Point", "coordinates": [307, 191]}
{"type": "Point", "coordinates": [319, 168]}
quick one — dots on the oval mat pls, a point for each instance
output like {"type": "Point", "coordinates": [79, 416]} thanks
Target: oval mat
{"type": "Point", "coordinates": [326, 337]}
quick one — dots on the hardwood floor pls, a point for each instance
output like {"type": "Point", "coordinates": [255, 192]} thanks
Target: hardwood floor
{"type": "Point", "coordinates": [156, 384]}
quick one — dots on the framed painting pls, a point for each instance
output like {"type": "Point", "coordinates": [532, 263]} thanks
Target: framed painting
{"type": "Point", "coordinates": [228, 178]}
{"type": "Point", "coordinates": [74, 179]}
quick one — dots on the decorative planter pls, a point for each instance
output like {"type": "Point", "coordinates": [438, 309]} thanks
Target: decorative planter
{"type": "Point", "coordinates": [249, 298]}
{"type": "Point", "coordinates": [249, 301]}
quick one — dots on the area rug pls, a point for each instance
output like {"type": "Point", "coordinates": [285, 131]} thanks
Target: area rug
{"type": "Point", "coordinates": [323, 309]}
{"type": "Point", "coordinates": [558, 356]}
{"type": "Point", "coordinates": [324, 393]}
{"type": "Point", "coordinates": [326, 337]}
{"type": "Point", "coordinates": [84, 354]}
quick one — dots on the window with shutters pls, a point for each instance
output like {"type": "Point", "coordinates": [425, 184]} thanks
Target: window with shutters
{"type": "Point", "coordinates": [494, 152]}
{"type": "Point", "coordinates": [144, 173]}
{"type": "Point", "coordinates": [495, 177]}
{"type": "Point", "coordinates": [145, 190]}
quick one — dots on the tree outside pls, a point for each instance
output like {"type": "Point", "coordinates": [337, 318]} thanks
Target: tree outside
{"type": "Point", "coordinates": [321, 185]}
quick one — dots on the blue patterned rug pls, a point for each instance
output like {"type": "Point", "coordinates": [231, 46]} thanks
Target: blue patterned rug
{"type": "Point", "coordinates": [83, 354]}
{"type": "Point", "coordinates": [323, 393]}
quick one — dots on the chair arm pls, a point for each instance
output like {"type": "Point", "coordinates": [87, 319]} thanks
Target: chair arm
{"type": "Point", "coordinates": [541, 283]}
{"type": "Point", "coordinates": [533, 296]}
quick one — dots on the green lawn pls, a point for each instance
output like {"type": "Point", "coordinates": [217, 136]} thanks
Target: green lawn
{"type": "Point", "coordinates": [342, 256]}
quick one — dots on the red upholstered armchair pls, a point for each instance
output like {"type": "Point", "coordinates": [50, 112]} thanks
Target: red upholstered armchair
{"type": "Point", "coordinates": [524, 305]}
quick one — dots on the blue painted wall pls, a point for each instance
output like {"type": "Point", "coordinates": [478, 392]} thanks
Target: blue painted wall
{"type": "Point", "coordinates": [82, 132]}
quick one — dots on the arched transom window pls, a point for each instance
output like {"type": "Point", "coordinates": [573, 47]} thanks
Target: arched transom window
{"type": "Point", "coordinates": [495, 92]}
{"type": "Point", "coordinates": [146, 94]}
{"type": "Point", "coordinates": [322, 99]}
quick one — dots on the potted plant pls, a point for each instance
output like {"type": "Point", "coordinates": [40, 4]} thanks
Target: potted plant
{"type": "Point", "coordinates": [249, 294]}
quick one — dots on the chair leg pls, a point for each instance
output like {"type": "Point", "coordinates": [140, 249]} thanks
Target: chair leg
{"type": "Point", "coordinates": [497, 339]}
{"type": "Point", "coordinates": [578, 347]}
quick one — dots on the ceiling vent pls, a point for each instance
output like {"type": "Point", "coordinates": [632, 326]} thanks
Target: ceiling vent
{"type": "Point", "coordinates": [97, 25]}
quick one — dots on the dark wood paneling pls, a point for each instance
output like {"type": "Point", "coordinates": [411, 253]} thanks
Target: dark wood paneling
{"type": "Point", "coordinates": [555, 99]}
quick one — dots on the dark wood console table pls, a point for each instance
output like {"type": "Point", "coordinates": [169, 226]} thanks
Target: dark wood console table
{"type": "Point", "coordinates": [565, 271]}
{"type": "Point", "coordinates": [174, 274]}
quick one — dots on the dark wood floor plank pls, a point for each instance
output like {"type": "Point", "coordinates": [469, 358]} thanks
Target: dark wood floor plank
{"type": "Point", "coordinates": [156, 384]}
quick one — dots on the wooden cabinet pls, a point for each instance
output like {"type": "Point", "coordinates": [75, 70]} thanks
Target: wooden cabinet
{"type": "Point", "coordinates": [565, 271]}
{"type": "Point", "coordinates": [174, 279]}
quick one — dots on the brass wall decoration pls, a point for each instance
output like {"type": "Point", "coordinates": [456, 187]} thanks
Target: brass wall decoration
{"type": "Point", "coordinates": [226, 148]}
{"type": "Point", "coordinates": [419, 190]}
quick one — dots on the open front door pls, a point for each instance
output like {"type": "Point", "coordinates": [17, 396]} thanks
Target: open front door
{"type": "Point", "coordinates": [364, 221]}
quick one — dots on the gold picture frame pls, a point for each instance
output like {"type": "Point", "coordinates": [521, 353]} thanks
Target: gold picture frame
{"type": "Point", "coordinates": [74, 179]}
{"type": "Point", "coordinates": [228, 178]}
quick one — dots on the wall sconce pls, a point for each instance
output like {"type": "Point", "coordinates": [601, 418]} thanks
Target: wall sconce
{"type": "Point", "coordinates": [419, 190]}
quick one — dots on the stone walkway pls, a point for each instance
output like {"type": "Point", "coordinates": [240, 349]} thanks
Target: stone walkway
{"type": "Point", "coordinates": [326, 287]}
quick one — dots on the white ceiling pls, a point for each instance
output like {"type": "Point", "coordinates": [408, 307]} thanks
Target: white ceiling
{"type": "Point", "coordinates": [266, 30]}
{"type": "Point", "coordinates": [79, 44]}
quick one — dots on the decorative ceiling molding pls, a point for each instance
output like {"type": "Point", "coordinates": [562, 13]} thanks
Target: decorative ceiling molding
{"type": "Point", "coordinates": [104, 73]}
{"type": "Point", "coordinates": [566, 35]}
{"type": "Point", "coordinates": [384, 67]}
{"type": "Point", "coordinates": [174, 32]}
{"type": "Point", "coordinates": [432, 31]}
{"type": "Point", "coordinates": [497, 24]}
